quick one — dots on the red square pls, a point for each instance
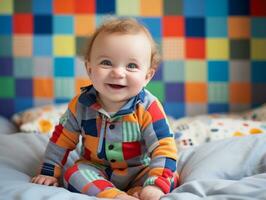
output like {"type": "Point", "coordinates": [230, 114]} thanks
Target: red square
{"type": "Point", "coordinates": [85, 6]}
{"type": "Point", "coordinates": [258, 7]}
{"type": "Point", "coordinates": [131, 149]}
{"type": "Point", "coordinates": [195, 48]}
{"type": "Point", "coordinates": [23, 23]}
{"type": "Point", "coordinates": [156, 112]}
{"type": "Point", "coordinates": [173, 26]}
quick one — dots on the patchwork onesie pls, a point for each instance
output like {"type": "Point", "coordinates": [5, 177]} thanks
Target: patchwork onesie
{"type": "Point", "coordinates": [132, 148]}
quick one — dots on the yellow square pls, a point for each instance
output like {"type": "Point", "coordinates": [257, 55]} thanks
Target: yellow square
{"type": "Point", "coordinates": [258, 49]}
{"type": "Point", "coordinates": [22, 46]}
{"type": "Point", "coordinates": [173, 48]}
{"type": "Point", "coordinates": [84, 25]}
{"type": "Point", "coordinates": [217, 49]}
{"type": "Point", "coordinates": [128, 8]}
{"type": "Point", "coordinates": [195, 71]}
{"type": "Point", "coordinates": [64, 45]}
{"type": "Point", "coordinates": [151, 7]}
{"type": "Point", "coordinates": [6, 6]}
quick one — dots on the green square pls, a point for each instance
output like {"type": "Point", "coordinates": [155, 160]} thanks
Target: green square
{"type": "Point", "coordinates": [23, 67]}
{"type": "Point", "coordinates": [239, 49]}
{"type": "Point", "coordinates": [196, 71]}
{"type": "Point", "coordinates": [157, 88]}
{"type": "Point", "coordinates": [116, 153]}
{"type": "Point", "coordinates": [81, 45]}
{"type": "Point", "coordinates": [6, 7]}
{"type": "Point", "coordinates": [128, 8]}
{"type": "Point", "coordinates": [5, 41]}
{"type": "Point", "coordinates": [131, 132]}
{"type": "Point", "coordinates": [7, 87]}
{"type": "Point", "coordinates": [218, 92]}
{"type": "Point", "coordinates": [173, 7]}
{"type": "Point", "coordinates": [24, 6]}
{"type": "Point", "coordinates": [173, 71]}
{"type": "Point", "coordinates": [64, 88]}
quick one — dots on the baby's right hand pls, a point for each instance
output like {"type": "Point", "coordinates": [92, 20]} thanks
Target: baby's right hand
{"type": "Point", "coordinates": [45, 180]}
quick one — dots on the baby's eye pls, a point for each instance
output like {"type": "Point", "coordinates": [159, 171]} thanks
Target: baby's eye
{"type": "Point", "coordinates": [132, 66]}
{"type": "Point", "coordinates": [106, 62]}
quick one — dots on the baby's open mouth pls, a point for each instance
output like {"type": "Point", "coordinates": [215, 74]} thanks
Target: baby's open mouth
{"type": "Point", "coordinates": [116, 86]}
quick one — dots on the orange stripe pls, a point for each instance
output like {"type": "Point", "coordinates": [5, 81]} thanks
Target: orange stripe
{"type": "Point", "coordinates": [167, 148]}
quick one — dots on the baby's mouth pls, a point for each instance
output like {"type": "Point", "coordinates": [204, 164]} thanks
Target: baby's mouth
{"type": "Point", "coordinates": [116, 86]}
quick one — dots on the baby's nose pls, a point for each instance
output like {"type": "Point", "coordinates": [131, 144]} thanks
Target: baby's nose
{"type": "Point", "coordinates": [118, 72]}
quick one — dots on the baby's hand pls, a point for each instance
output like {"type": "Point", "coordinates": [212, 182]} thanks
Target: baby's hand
{"type": "Point", "coordinates": [45, 180]}
{"type": "Point", "coordinates": [151, 193]}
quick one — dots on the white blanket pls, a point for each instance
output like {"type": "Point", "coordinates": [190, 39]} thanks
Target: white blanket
{"type": "Point", "coordinates": [228, 169]}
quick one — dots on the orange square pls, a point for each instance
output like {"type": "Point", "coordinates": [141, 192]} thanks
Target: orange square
{"type": "Point", "coordinates": [195, 48]}
{"type": "Point", "coordinates": [84, 25]}
{"type": "Point", "coordinates": [64, 6]}
{"type": "Point", "coordinates": [239, 27]}
{"type": "Point", "coordinates": [43, 87]}
{"type": "Point", "coordinates": [173, 26]}
{"type": "Point", "coordinates": [85, 6]}
{"type": "Point", "coordinates": [79, 82]}
{"type": "Point", "coordinates": [196, 92]}
{"type": "Point", "coordinates": [23, 23]}
{"type": "Point", "coordinates": [240, 93]}
{"type": "Point", "coordinates": [151, 8]}
{"type": "Point", "coordinates": [22, 45]}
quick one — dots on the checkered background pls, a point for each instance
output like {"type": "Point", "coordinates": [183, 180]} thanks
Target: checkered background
{"type": "Point", "coordinates": [214, 51]}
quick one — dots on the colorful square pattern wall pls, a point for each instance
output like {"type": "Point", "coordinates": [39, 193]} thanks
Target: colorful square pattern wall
{"type": "Point", "coordinates": [214, 52]}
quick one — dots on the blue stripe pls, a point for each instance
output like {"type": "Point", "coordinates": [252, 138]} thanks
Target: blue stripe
{"type": "Point", "coordinates": [161, 129]}
{"type": "Point", "coordinates": [89, 127]}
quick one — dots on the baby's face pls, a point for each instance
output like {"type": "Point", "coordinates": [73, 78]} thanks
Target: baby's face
{"type": "Point", "coordinates": [119, 65]}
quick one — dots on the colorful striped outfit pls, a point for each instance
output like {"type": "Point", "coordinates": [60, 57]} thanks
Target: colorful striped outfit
{"type": "Point", "coordinates": [133, 147]}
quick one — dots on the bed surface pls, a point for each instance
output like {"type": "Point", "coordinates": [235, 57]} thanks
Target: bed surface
{"type": "Point", "coordinates": [227, 169]}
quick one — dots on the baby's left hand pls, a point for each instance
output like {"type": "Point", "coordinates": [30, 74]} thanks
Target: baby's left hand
{"type": "Point", "coordinates": [151, 193]}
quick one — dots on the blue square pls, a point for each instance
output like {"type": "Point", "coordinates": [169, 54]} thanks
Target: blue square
{"type": "Point", "coordinates": [64, 67]}
{"type": "Point", "coordinates": [175, 110]}
{"type": "Point", "coordinates": [63, 25]}
{"type": "Point", "coordinates": [42, 7]}
{"type": "Point", "coordinates": [7, 108]}
{"type": "Point", "coordinates": [42, 45]}
{"type": "Point", "coordinates": [6, 66]}
{"type": "Point", "coordinates": [43, 24]}
{"type": "Point", "coordinates": [102, 7]}
{"type": "Point", "coordinates": [24, 87]}
{"type": "Point", "coordinates": [23, 103]}
{"type": "Point", "coordinates": [216, 8]}
{"type": "Point", "coordinates": [153, 25]}
{"type": "Point", "coordinates": [258, 27]}
{"type": "Point", "coordinates": [218, 71]}
{"type": "Point", "coordinates": [218, 108]}
{"type": "Point", "coordinates": [239, 7]}
{"type": "Point", "coordinates": [216, 27]}
{"type": "Point", "coordinates": [158, 74]}
{"type": "Point", "coordinates": [258, 71]}
{"type": "Point", "coordinates": [6, 25]}
{"type": "Point", "coordinates": [195, 27]}
{"type": "Point", "coordinates": [195, 8]}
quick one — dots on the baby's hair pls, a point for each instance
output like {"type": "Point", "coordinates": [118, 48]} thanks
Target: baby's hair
{"type": "Point", "coordinates": [125, 26]}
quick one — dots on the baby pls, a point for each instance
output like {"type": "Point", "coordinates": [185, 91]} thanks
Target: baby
{"type": "Point", "coordinates": [128, 150]}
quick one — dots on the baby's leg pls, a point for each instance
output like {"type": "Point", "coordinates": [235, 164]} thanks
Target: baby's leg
{"type": "Point", "coordinates": [86, 179]}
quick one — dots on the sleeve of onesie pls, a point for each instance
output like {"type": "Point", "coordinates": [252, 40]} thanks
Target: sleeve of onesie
{"type": "Point", "coordinates": [63, 140]}
{"type": "Point", "coordinates": [162, 148]}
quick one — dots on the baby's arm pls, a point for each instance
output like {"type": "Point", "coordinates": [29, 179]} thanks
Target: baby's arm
{"type": "Point", "coordinates": [64, 139]}
{"type": "Point", "coordinates": [161, 145]}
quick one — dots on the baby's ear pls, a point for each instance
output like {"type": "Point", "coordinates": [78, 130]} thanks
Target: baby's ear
{"type": "Point", "coordinates": [149, 75]}
{"type": "Point", "coordinates": [88, 67]}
